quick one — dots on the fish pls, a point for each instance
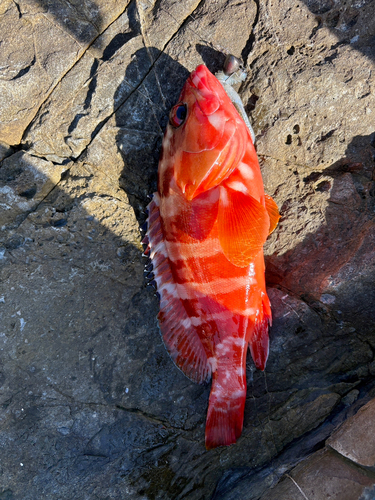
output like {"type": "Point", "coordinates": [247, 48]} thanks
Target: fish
{"type": "Point", "coordinates": [206, 227]}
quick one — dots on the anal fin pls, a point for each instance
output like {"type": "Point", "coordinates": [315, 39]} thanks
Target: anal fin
{"type": "Point", "coordinates": [259, 340]}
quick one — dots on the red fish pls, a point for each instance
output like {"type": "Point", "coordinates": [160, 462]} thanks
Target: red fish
{"type": "Point", "coordinates": [206, 228]}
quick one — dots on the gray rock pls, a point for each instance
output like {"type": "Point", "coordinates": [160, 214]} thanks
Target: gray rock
{"type": "Point", "coordinates": [91, 404]}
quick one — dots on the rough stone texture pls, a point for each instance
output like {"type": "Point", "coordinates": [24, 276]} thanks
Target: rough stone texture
{"type": "Point", "coordinates": [355, 439]}
{"type": "Point", "coordinates": [25, 181]}
{"type": "Point", "coordinates": [323, 475]}
{"type": "Point", "coordinates": [41, 42]}
{"type": "Point", "coordinates": [91, 404]}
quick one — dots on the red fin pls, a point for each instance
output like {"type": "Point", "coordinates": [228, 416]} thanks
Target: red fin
{"type": "Point", "coordinates": [273, 212]}
{"type": "Point", "coordinates": [223, 427]}
{"type": "Point", "coordinates": [224, 417]}
{"type": "Point", "coordinates": [243, 225]}
{"type": "Point", "coordinates": [259, 340]}
{"type": "Point", "coordinates": [183, 342]}
{"type": "Point", "coordinates": [180, 336]}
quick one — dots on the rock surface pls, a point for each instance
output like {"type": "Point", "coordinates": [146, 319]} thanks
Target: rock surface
{"type": "Point", "coordinates": [323, 475]}
{"type": "Point", "coordinates": [91, 404]}
{"type": "Point", "coordinates": [355, 438]}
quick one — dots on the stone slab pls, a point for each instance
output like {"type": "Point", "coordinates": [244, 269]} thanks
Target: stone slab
{"type": "Point", "coordinates": [324, 475]}
{"type": "Point", "coordinates": [355, 439]}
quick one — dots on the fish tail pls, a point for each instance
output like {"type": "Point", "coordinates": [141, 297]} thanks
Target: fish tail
{"type": "Point", "coordinates": [225, 411]}
{"type": "Point", "coordinates": [259, 340]}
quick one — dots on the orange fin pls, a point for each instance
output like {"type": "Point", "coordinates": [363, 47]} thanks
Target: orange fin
{"type": "Point", "coordinates": [273, 212]}
{"type": "Point", "coordinates": [180, 336]}
{"type": "Point", "coordinates": [243, 225]}
{"type": "Point", "coordinates": [259, 340]}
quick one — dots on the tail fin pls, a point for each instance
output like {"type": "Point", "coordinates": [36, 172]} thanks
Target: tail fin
{"type": "Point", "coordinates": [259, 340]}
{"type": "Point", "coordinates": [225, 411]}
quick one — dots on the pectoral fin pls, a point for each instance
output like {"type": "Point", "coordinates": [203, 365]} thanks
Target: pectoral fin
{"type": "Point", "coordinates": [243, 225]}
{"type": "Point", "coordinates": [273, 212]}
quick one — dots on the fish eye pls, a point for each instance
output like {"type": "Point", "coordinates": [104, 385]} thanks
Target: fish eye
{"type": "Point", "coordinates": [178, 114]}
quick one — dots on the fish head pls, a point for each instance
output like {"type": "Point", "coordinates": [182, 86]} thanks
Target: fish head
{"type": "Point", "coordinates": [205, 138]}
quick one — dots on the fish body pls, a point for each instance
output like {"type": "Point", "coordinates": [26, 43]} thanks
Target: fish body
{"type": "Point", "coordinates": [206, 228]}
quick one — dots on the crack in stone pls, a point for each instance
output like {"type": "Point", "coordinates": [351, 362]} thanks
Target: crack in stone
{"type": "Point", "coordinates": [149, 417]}
{"type": "Point", "coordinates": [251, 40]}
{"type": "Point", "coordinates": [101, 124]}
{"type": "Point", "coordinates": [24, 71]}
{"type": "Point", "coordinates": [18, 8]}
{"type": "Point", "coordinates": [27, 129]}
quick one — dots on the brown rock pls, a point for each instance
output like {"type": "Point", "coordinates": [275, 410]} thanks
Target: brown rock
{"type": "Point", "coordinates": [324, 475]}
{"type": "Point", "coordinates": [355, 439]}
{"type": "Point", "coordinates": [92, 405]}
{"type": "Point", "coordinates": [54, 36]}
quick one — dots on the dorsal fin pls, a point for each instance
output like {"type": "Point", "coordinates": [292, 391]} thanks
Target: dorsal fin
{"type": "Point", "coordinates": [180, 336]}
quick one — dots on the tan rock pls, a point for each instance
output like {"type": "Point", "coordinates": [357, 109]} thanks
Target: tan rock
{"type": "Point", "coordinates": [324, 475]}
{"type": "Point", "coordinates": [355, 439]}
{"type": "Point", "coordinates": [53, 37]}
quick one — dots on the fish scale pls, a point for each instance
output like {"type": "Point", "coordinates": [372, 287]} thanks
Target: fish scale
{"type": "Point", "coordinates": [206, 228]}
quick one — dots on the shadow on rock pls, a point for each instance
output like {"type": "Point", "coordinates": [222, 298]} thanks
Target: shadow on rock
{"type": "Point", "coordinates": [140, 133]}
{"type": "Point", "coordinates": [321, 347]}
{"type": "Point", "coordinates": [89, 393]}
{"type": "Point", "coordinates": [309, 269]}
{"type": "Point", "coordinates": [213, 59]}
{"type": "Point", "coordinates": [71, 282]}
{"type": "Point", "coordinates": [82, 20]}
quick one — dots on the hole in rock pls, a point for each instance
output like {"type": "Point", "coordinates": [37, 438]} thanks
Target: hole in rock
{"type": "Point", "coordinates": [29, 193]}
{"type": "Point", "coordinates": [323, 186]}
{"type": "Point", "coordinates": [251, 103]}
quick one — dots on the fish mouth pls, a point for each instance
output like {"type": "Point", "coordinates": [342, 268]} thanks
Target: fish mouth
{"type": "Point", "coordinates": [203, 86]}
{"type": "Point", "coordinates": [196, 77]}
